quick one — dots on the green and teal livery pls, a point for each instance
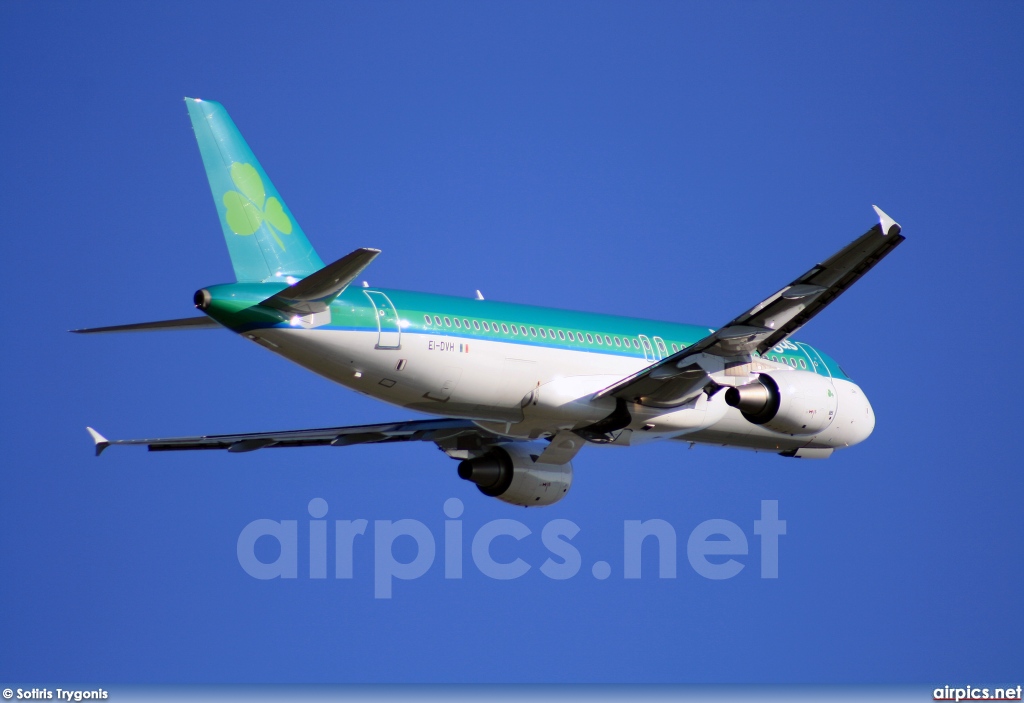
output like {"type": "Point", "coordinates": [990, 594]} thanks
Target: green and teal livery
{"type": "Point", "coordinates": [516, 390]}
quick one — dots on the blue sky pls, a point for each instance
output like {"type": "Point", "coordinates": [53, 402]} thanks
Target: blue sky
{"type": "Point", "coordinates": [667, 160]}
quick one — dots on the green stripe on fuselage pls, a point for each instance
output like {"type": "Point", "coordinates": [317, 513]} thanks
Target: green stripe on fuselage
{"type": "Point", "coordinates": [236, 306]}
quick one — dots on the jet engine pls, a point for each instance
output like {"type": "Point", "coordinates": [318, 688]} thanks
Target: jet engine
{"type": "Point", "coordinates": [510, 472]}
{"type": "Point", "coordinates": [792, 402]}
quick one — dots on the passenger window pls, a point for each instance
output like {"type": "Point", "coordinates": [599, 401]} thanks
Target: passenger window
{"type": "Point", "coordinates": [447, 322]}
{"type": "Point", "coordinates": [618, 342]}
{"type": "Point", "coordinates": [597, 338]}
{"type": "Point", "coordinates": [561, 334]}
{"type": "Point", "coordinates": [457, 324]}
{"type": "Point", "coordinates": [437, 320]}
{"type": "Point", "coordinates": [608, 340]}
{"type": "Point", "coordinates": [551, 333]}
{"type": "Point", "coordinates": [533, 331]}
{"type": "Point", "coordinates": [487, 328]}
{"type": "Point", "coordinates": [572, 337]}
{"type": "Point", "coordinates": [636, 343]}
{"type": "Point", "coordinates": [542, 333]}
{"type": "Point", "coordinates": [514, 330]}
{"type": "Point", "coordinates": [674, 350]}
{"type": "Point", "coordinates": [504, 328]}
{"type": "Point", "coordinates": [590, 340]}
{"type": "Point", "coordinates": [426, 318]}
{"type": "Point", "coordinates": [476, 324]}
{"type": "Point", "coordinates": [522, 328]}
{"type": "Point", "coordinates": [803, 364]}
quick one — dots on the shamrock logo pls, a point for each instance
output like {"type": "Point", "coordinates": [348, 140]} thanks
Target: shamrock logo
{"type": "Point", "coordinates": [248, 208]}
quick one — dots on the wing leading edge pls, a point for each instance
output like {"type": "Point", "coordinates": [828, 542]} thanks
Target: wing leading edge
{"type": "Point", "coordinates": [448, 434]}
{"type": "Point", "coordinates": [678, 378]}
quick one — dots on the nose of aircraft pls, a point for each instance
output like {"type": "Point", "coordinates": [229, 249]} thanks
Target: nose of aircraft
{"type": "Point", "coordinates": [856, 418]}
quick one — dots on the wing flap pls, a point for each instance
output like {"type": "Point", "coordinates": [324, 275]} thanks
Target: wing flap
{"type": "Point", "coordinates": [443, 430]}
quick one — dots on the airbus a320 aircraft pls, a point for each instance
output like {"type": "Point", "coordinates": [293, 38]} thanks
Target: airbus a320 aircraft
{"type": "Point", "coordinates": [520, 389]}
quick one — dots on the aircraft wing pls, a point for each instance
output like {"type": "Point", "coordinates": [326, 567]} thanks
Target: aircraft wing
{"type": "Point", "coordinates": [446, 433]}
{"type": "Point", "coordinates": [678, 378]}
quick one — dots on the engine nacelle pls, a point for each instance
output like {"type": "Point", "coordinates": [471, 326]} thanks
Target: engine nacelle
{"type": "Point", "coordinates": [511, 473]}
{"type": "Point", "coordinates": [792, 402]}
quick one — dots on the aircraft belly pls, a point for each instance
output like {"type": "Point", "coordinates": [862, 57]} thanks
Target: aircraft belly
{"type": "Point", "coordinates": [735, 430]}
{"type": "Point", "coordinates": [719, 437]}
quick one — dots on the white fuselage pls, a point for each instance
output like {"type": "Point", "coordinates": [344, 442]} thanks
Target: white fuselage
{"type": "Point", "coordinates": [524, 391]}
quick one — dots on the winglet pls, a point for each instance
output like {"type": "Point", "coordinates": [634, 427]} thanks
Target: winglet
{"type": "Point", "coordinates": [889, 225]}
{"type": "Point", "coordinates": [101, 441]}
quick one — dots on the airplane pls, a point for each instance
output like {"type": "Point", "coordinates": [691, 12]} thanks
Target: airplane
{"type": "Point", "coordinates": [519, 389]}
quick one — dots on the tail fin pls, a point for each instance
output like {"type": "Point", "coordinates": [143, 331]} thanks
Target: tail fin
{"type": "Point", "coordinates": [264, 240]}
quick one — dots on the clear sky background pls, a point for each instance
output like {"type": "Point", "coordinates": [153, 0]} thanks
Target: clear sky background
{"type": "Point", "coordinates": [677, 161]}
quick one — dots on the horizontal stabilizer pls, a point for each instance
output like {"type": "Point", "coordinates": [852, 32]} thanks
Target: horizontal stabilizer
{"type": "Point", "coordinates": [185, 323]}
{"type": "Point", "coordinates": [316, 291]}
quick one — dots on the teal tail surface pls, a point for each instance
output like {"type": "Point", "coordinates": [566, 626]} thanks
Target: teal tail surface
{"type": "Point", "coordinates": [264, 240]}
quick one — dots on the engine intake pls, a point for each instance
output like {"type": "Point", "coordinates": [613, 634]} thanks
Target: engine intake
{"type": "Point", "coordinates": [511, 473]}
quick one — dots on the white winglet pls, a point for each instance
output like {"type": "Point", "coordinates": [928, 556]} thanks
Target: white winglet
{"type": "Point", "coordinates": [479, 295]}
{"type": "Point", "coordinates": [101, 441]}
{"type": "Point", "coordinates": [887, 222]}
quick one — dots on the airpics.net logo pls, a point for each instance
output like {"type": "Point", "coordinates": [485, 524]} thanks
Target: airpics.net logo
{"type": "Point", "coordinates": [716, 549]}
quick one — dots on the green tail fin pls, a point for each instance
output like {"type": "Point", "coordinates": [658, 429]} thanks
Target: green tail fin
{"type": "Point", "coordinates": [264, 240]}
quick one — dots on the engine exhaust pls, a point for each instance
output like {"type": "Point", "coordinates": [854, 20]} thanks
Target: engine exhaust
{"type": "Point", "coordinates": [758, 401]}
{"type": "Point", "coordinates": [492, 472]}
{"type": "Point", "coordinates": [202, 299]}
{"type": "Point", "coordinates": [751, 398]}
